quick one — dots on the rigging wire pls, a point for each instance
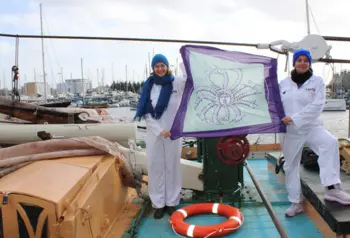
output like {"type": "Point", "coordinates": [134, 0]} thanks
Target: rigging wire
{"type": "Point", "coordinates": [52, 44]}
{"type": "Point", "coordinates": [314, 20]}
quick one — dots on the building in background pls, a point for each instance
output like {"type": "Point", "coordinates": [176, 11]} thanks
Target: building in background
{"type": "Point", "coordinates": [61, 88]}
{"type": "Point", "coordinates": [74, 86]}
{"type": "Point", "coordinates": [339, 86]}
{"type": "Point", "coordinates": [33, 89]}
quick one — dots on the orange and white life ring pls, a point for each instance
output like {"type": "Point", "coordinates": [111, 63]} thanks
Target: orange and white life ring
{"type": "Point", "coordinates": [234, 221]}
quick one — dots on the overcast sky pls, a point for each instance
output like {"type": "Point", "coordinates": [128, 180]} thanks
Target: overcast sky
{"type": "Point", "coordinates": [249, 21]}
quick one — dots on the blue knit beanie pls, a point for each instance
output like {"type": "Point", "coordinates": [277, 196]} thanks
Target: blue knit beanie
{"type": "Point", "coordinates": [300, 52]}
{"type": "Point", "coordinates": [159, 58]}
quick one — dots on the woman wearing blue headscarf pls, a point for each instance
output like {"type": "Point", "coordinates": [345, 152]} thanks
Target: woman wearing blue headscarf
{"type": "Point", "coordinates": [158, 105]}
{"type": "Point", "coordinates": [303, 99]}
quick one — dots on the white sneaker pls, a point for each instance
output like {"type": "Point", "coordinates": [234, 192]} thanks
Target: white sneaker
{"type": "Point", "coordinates": [294, 209]}
{"type": "Point", "coordinates": [337, 195]}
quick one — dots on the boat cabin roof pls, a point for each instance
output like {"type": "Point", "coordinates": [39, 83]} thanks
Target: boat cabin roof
{"type": "Point", "coordinates": [52, 180]}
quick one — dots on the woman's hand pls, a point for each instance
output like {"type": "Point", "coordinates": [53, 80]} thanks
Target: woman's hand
{"type": "Point", "coordinates": [287, 120]}
{"type": "Point", "coordinates": [165, 133]}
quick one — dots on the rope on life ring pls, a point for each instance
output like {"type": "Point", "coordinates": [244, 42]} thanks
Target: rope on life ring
{"type": "Point", "coordinates": [234, 221]}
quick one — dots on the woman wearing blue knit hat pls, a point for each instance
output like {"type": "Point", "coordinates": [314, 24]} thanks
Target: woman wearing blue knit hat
{"type": "Point", "coordinates": [303, 99]}
{"type": "Point", "coordinates": [158, 105]}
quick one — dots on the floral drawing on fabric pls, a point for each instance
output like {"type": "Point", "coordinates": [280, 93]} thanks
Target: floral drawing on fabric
{"type": "Point", "coordinates": [222, 100]}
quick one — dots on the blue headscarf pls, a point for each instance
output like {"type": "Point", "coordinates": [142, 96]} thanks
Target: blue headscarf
{"type": "Point", "coordinates": [300, 52]}
{"type": "Point", "coordinates": [144, 105]}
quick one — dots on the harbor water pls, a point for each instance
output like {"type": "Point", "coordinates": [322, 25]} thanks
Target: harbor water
{"type": "Point", "coordinates": [335, 122]}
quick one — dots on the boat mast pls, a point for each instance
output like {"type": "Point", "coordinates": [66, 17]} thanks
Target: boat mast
{"type": "Point", "coordinates": [113, 72]}
{"type": "Point", "coordinates": [62, 78]}
{"type": "Point", "coordinates": [103, 80]}
{"type": "Point", "coordinates": [149, 62]}
{"type": "Point", "coordinates": [63, 85]}
{"type": "Point", "coordinates": [34, 76]}
{"type": "Point", "coordinates": [82, 75]}
{"type": "Point", "coordinates": [307, 17]}
{"type": "Point", "coordinates": [4, 79]}
{"type": "Point", "coordinates": [98, 82]}
{"type": "Point", "coordinates": [42, 52]}
{"type": "Point", "coordinates": [126, 77]}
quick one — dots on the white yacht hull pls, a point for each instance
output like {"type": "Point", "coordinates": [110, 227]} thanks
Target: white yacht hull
{"type": "Point", "coordinates": [335, 105]}
{"type": "Point", "coordinates": [21, 133]}
{"type": "Point", "coordinates": [191, 170]}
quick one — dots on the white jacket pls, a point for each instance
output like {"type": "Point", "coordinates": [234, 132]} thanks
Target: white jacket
{"type": "Point", "coordinates": [154, 127]}
{"type": "Point", "coordinates": [304, 105]}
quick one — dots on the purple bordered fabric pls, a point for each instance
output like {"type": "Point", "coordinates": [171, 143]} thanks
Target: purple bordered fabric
{"type": "Point", "coordinates": [228, 93]}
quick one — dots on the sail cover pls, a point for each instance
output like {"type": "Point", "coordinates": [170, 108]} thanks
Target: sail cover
{"type": "Point", "coordinates": [228, 93]}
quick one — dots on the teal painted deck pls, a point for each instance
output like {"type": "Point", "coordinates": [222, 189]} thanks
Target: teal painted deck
{"type": "Point", "coordinates": [257, 222]}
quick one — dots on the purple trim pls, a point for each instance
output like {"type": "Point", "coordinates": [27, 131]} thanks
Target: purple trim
{"type": "Point", "coordinates": [271, 84]}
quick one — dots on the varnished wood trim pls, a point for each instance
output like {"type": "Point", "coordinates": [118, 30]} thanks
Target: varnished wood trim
{"type": "Point", "coordinates": [41, 222]}
{"type": "Point", "coordinates": [25, 218]}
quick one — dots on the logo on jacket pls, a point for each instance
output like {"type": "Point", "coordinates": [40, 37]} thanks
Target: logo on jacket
{"type": "Point", "coordinates": [310, 89]}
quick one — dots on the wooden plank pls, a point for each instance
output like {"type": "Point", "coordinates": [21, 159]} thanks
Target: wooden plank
{"type": "Point", "coordinates": [38, 114]}
{"type": "Point", "coordinates": [318, 220]}
{"type": "Point", "coordinates": [265, 147]}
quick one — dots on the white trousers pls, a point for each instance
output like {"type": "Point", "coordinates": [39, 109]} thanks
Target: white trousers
{"type": "Point", "coordinates": [324, 145]}
{"type": "Point", "coordinates": [164, 171]}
